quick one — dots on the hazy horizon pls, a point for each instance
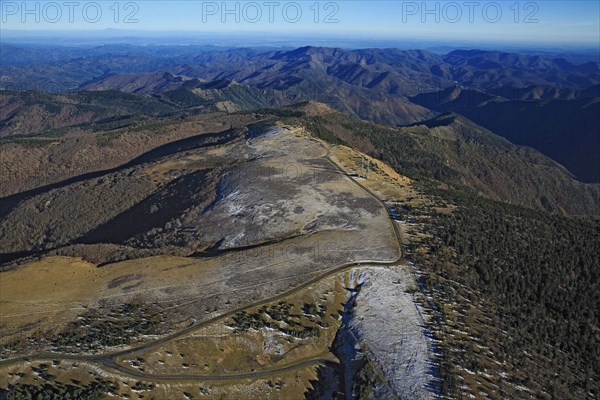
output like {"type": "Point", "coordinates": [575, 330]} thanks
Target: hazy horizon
{"type": "Point", "coordinates": [90, 39]}
{"type": "Point", "coordinates": [557, 24]}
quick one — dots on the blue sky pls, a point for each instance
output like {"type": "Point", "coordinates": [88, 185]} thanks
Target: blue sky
{"type": "Point", "coordinates": [550, 22]}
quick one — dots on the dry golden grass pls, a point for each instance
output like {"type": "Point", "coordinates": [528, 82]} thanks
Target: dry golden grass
{"type": "Point", "coordinates": [383, 180]}
{"type": "Point", "coordinates": [52, 289]}
{"type": "Point", "coordinates": [285, 386]}
{"type": "Point", "coordinates": [212, 350]}
{"type": "Point", "coordinates": [217, 349]}
{"type": "Point", "coordinates": [49, 293]}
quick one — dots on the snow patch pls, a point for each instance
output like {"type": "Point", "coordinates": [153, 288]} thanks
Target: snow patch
{"type": "Point", "coordinates": [389, 323]}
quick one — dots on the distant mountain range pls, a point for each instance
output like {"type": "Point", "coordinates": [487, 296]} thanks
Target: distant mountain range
{"type": "Point", "coordinates": [549, 104]}
{"type": "Point", "coordinates": [389, 69]}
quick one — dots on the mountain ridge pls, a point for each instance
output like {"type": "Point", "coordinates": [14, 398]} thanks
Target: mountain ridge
{"type": "Point", "coordinates": [564, 129]}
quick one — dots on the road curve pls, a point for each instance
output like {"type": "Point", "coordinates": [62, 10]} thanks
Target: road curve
{"type": "Point", "coordinates": [109, 361]}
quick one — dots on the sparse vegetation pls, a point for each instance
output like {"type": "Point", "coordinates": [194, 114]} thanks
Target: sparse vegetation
{"type": "Point", "coordinates": [42, 371]}
{"type": "Point", "coordinates": [31, 143]}
{"type": "Point", "coordinates": [95, 390]}
{"type": "Point", "coordinates": [105, 139]}
{"type": "Point", "coordinates": [142, 386]}
{"type": "Point", "coordinates": [277, 317]}
{"type": "Point", "coordinates": [365, 381]}
{"type": "Point", "coordinates": [93, 330]}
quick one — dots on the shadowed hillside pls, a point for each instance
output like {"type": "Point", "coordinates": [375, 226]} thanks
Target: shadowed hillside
{"type": "Point", "coordinates": [565, 129]}
{"type": "Point", "coordinates": [456, 151]}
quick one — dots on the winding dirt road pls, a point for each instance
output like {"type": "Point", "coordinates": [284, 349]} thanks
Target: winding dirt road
{"type": "Point", "coordinates": [110, 361]}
